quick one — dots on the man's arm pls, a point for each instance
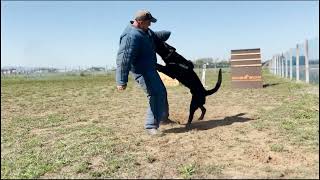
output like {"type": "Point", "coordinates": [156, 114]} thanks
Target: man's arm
{"type": "Point", "coordinates": [126, 55]}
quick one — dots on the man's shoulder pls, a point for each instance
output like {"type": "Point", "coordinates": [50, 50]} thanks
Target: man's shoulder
{"type": "Point", "coordinates": [133, 32]}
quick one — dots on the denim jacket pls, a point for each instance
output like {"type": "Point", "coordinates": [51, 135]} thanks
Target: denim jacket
{"type": "Point", "coordinates": [136, 52]}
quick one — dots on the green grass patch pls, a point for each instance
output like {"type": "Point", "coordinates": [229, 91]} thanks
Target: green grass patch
{"type": "Point", "coordinates": [277, 147]}
{"type": "Point", "coordinates": [186, 171]}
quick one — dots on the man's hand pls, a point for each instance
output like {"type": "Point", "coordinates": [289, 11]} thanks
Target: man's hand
{"type": "Point", "coordinates": [121, 87]}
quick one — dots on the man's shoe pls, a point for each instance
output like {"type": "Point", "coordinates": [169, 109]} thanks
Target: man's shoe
{"type": "Point", "coordinates": [154, 132]}
{"type": "Point", "coordinates": [167, 121]}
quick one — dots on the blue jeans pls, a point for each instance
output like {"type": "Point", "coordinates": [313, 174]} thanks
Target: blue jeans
{"type": "Point", "coordinates": [153, 86]}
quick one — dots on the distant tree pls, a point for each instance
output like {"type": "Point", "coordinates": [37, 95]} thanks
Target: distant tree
{"type": "Point", "coordinates": [201, 61]}
{"type": "Point", "coordinates": [211, 63]}
{"type": "Point", "coordinates": [96, 69]}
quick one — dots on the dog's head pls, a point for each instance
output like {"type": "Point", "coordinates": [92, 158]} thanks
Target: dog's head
{"type": "Point", "coordinates": [162, 48]}
{"type": "Point", "coordinates": [167, 52]}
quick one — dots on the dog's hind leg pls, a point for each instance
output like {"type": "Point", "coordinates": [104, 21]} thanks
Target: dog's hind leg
{"type": "Point", "coordinates": [193, 108]}
{"type": "Point", "coordinates": [203, 112]}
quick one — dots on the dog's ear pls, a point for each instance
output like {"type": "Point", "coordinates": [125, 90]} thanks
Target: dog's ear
{"type": "Point", "coordinates": [163, 35]}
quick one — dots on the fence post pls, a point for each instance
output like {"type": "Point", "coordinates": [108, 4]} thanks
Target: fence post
{"type": "Point", "coordinates": [282, 65]}
{"type": "Point", "coordinates": [306, 60]}
{"type": "Point", "coordinates": [286, 61]}
{"type": "Point", "coordinates": [297, 63]}
{"type": "Point", "coordinates": [279, 58]}
{"type": "Point", "coordinates": [279, 65]}
{"type": "Point", "coordinates": [273, 65]}
{"type": "Point", "coordinates": [276, 64]}
{"type": "Point", "coordinates": [203, 78]}
{"type": "Point", "coordinates": [290, 54]}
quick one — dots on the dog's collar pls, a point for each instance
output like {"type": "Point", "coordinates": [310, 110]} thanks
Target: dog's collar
{"type": "Point", "coordinates": [181, 65]}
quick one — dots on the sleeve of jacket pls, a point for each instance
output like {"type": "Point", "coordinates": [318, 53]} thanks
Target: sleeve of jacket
{"type": "Point", "coordinates": [127, 54]}
{"type": "Point", "coordinates": [162, 35]}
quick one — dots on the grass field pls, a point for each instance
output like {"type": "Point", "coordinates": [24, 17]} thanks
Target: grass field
{"type": "Point", "coordinates": [82, 127]}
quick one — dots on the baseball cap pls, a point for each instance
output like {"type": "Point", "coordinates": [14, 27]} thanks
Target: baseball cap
{"type": "Point", "coordinates": [144, 15]}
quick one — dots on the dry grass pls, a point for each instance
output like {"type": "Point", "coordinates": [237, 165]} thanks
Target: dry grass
{"type": "Point", "coordinates": [81, 127]}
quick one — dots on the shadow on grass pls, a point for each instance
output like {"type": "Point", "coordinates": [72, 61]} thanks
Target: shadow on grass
{"type": "Point", "coordinates": [267, 85]}
{"type": "Point", "coordinates": [205, 125]}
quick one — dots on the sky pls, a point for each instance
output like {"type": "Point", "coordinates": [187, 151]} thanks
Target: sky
{"type": "Point", "coordinates": [83, 33]}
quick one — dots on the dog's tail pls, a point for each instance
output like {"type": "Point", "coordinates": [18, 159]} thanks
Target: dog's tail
{"type": "Point", "coordinates": [218, 84]}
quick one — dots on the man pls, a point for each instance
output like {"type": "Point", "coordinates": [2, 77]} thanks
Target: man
{"type": "Point", "coordinates": [137, 54]}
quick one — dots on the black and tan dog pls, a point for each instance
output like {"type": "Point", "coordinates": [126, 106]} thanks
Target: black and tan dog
{"type": "Point", "coordinates": [177, 67]}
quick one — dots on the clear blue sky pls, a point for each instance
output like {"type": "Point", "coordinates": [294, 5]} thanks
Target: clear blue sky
{"type": "Point", "coordinates": [83, 33]}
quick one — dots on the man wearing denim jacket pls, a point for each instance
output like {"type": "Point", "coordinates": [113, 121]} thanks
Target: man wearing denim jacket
{"type": "Point", "coordinates": [137, 54]}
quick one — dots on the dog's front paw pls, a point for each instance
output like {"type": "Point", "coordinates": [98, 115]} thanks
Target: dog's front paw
{"type": "Point", "coordinates": [188, 127]}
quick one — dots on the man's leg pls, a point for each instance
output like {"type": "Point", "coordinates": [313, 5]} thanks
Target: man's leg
{"type": "Point", "coordinates": [158, 98]}
{"type": "Point", "coordinates": [157, 95]}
